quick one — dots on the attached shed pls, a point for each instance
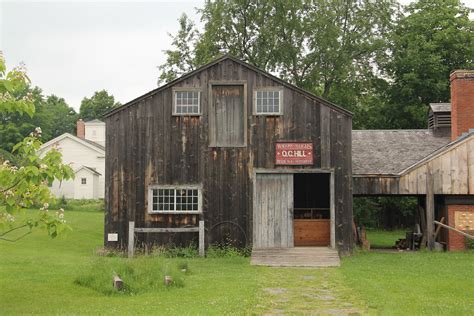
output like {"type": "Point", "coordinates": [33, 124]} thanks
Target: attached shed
{"type": "Point", "coordinates": [260, 161]}
{"type": "Point", "coordinates": [436, 165]}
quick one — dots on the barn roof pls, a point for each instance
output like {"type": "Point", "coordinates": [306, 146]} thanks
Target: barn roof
{"type": "Point", "coordinates": [216, 61]}
{"type": "Point", "coordinates": [389, 152]}
{"type": "Point", "coordinates": [440, 107]}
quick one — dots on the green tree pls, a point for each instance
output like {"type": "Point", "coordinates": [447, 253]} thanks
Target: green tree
{"type": "Point", "coordinates": [180, 60]}
{"type": "Point", "coordinates": [97, 105]}
{"type": "Point", "coordinates": [432, 39]}
{"type": "Point", "coordinates": [321, 46]}
{"type": "Point", "coordinates": [55, 117]}
{"type": "Point", "coordinates": [24, 184]}
{"type": "Point", "coordinates": [51, 113]}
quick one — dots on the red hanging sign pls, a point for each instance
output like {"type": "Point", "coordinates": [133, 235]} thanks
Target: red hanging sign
{"type": "Point", "coordinates": [287, 153]}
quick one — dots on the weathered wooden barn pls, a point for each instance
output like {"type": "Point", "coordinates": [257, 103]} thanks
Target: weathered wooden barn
{"type": "Point", "coordinates": [260, 161]}
{"type": "Point", "coordinates": [436, 165]}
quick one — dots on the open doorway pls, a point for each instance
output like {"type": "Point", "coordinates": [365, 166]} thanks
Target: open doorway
{"type": "Point", "coordinates": [311, 215]}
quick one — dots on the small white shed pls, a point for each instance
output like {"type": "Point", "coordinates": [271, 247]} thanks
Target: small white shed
{"type": "Point", "coordinates": [86, 183]}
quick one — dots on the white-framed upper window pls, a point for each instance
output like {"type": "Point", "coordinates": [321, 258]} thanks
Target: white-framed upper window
{"type": "Point", "coordinates": [174, 199]}
{"type": "Point", "coordinates": [186, 101]}
{"type": "Point", "coordinates": [268, 101]}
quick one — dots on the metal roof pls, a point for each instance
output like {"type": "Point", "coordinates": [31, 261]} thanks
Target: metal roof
{"type": "Point", "coordinates": [440, 107]}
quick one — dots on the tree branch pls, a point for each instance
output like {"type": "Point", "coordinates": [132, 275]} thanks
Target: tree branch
{"type": "Point", "coordinates": [11, 230]}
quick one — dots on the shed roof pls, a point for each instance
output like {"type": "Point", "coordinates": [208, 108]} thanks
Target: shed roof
{"type": "Point", "coordinates": [389, 152]}
{"type": "Point", "coordinates": [440, 107]}
{"type": "Point", "coordinates": [216, 61]}
{"type": "Point", "coordinates": [94, 121]}
{"type": "Point", "coordinates": [89, 169]}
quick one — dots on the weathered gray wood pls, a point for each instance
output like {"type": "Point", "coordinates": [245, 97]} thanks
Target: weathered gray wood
{"type": "Point", "coordinates": [117, 282]}
{"type": "Point", "coordinates": [332, 210]}
{"type": "Point", "coordinates": [325, 137]}
{"type": "Point", "coordinates": [147, 145]}
{"type": "Point", "coordinates": [227, 123]}
{"type": "Point", "coordinates": [296, 257]}
{"type": "Point", "coordinates": [273, 205]}
{"type": "Point", "coordinates": [168, 230]}
{"type": "Point", "coordinates": [131, 235]}
{"type": "Point", "coordinates": [454, 229]}
{"type": "Point", "coordinates": [430, 205]}
{"type": "Point", "coordinates": [201, 239]}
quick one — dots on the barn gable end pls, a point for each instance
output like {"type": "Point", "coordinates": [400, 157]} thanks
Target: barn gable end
{"type": "Point", "coordinates": [149, 144]}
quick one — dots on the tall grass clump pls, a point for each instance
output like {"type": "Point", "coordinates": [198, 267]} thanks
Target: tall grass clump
{"type": "Point", "coordinates": [140, 275]}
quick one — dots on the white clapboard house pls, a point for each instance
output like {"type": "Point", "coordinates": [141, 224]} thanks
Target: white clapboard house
{"type": "Point", "coordinates": [85, 153]}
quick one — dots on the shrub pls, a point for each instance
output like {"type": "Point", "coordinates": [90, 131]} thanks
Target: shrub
{"type": "Point", "coordinates": [176, 252]}
{"type": "Point", "coordinates": [227, 251]}
{"type": "Point", "coordinates": [469, 243]}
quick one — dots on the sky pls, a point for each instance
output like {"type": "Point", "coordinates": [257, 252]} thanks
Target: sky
{"type": "Point", "coordinates": [72, 49]}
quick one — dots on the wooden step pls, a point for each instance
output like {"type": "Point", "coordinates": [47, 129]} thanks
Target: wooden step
{"type": "Point", "coordinates": [296, 257]}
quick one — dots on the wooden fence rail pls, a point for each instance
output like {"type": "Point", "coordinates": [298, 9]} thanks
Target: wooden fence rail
{"type": "Point", "coordinates": [132, 230]}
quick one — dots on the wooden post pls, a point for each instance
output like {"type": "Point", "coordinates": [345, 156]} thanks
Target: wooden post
{"type": "Point", "coordinates": [201, 238]}
{"type": "Point", "coordinates": [117, 282]}
{"type": "Point", "coordinates": [430, 207]}
{"type": "Point", "coordinates": [131, 235]}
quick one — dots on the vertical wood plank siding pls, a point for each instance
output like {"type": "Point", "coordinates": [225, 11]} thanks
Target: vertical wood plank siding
{"type": "Point", "coordinates": [452, 174]}
{"type": "Point", "coordinates": [147, 145]}
{"type": "Point", "coordinates": [273, 229]}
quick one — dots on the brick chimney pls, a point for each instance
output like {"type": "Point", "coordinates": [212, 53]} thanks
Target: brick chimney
{"type": "Point", "coordinates": [80, 129]}
{"type": "Point", "coordinates": [462, 102]}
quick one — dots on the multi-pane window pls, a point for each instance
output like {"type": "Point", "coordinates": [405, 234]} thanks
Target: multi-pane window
{"type": "Point", "coordinates": [268, 102]}
{"type": "Point", "coordinates": [175, 199]}
{"type": "Point", "coordinates": [187, 103]}
{"type": "Point", "coordinates": [83, 180]}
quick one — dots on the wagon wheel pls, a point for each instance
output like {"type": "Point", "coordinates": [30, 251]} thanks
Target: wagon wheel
{"type": "Point", "coordinates": [231, 234]}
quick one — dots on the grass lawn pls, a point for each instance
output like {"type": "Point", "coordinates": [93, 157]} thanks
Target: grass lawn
{"type": "Point", "coordinates": [38, 275]}
{"type": "Point", "coordinates": [384, 238]}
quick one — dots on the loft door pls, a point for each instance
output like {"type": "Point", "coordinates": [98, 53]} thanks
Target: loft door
{"type": "Point", "coordinates": [226, 116]}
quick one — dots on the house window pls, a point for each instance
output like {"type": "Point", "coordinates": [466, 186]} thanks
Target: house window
{"type": "Point", "coordinates": [187, 102]}
{"type": "Point", "coordinates": [83, 180]}
{"type": "Point", "coordinates": [174, 199]}
{"type": "Point", "coordinates": [268, 102]}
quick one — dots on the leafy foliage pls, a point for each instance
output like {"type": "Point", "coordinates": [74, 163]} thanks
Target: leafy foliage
{"type": "Point", "coordinates": [385, 212]}
{"type": "Point", "coordinates": [97, 105]}
{"type": "Point", "coordinates": [25, 183]}
{"type": "Point", "coordinates": [327, 47]}
{"type": "Point", "coordinates": [366, 56]}
{"type": "Point", "coordinates": [432, 39]}
{"type": "Point", "coordinates": [52, 113]}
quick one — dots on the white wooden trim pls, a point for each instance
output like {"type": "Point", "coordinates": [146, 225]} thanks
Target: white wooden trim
{"type": "Point", "coordinates": [183, 89]}
{"type": "Point", "coordinates": [280, 100]}
{"type": "Point", "coordinates": [174, 187]}
{"type": "Point", "coordinates": [72, 137]}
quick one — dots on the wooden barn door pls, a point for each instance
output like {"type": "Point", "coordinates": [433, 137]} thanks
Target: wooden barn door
{"type": "Point", "coordinates": [273, 211]}
{"type": "Point", "coordinates": [226, 116]}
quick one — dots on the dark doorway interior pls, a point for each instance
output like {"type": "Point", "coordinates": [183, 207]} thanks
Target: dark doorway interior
{"type": "Point", "coordinates": [311, 192]}
{"type": "Point", "coordinates": [311, 221]}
